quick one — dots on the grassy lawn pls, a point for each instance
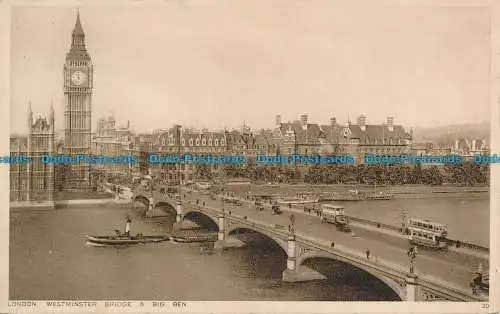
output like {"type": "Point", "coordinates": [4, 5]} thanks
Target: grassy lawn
{"type": "Point", "coordinates": [77, 195]}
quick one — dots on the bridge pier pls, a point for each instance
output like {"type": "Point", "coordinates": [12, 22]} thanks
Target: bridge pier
{"type": "Point", "coordinates": [150, 211]}
{"type": "Point", "coordinates": [221, 244]}
{"type": "Point", "coordinates": [178, 217]}
{"type": "Point", "coordinates": [411, 288]}
{"type": "Point", "coordinates": [293, 273]}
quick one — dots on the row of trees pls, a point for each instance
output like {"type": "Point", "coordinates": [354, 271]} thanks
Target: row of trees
{"type": "Point", "coordinates": [466, 173]}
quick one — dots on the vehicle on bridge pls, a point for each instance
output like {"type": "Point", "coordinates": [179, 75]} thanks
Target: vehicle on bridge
{"type": "Point", "coordinates": [275, 208]}
{"type": "Point", "coordinates": [232, 200]}
{"type": "Point", "coordinates": [481, 282]}
{"type": "Point", "coordinates": [203, 185]}
{"type": "Point", "coordinates": [427, 233]}
{"type": "Point", "coordinates": [259, 204]}
{"type": "Point", "coordinates": [335, 214]}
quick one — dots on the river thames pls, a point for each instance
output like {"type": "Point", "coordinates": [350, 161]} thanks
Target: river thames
{"type": "Point", "coordinates": [49, 259]}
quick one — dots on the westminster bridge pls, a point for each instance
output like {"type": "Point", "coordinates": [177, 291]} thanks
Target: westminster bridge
{"type": "Point", "coordinates": [302, 239]}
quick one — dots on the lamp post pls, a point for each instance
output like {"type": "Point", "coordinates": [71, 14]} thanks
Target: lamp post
{"type": "Point", "coordinates": [412, 254]}
{"type": "Point", "coordinates": [403, 220]}
{"type": "Point", "coordinates": [291, 226]}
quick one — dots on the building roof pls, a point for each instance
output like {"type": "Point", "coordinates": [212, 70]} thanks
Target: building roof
{"type": "Point", "coordinates": [78, 50]}
{"type": "Point", "coordinates": [78, 30]}
{"type": "Point", "coordinates": [311, 134]}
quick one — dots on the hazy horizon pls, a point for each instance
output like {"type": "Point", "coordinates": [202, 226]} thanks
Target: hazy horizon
{"type": "Point", "coordinates": [233, 63]}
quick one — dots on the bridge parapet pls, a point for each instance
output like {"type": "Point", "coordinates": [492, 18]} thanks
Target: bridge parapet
{"type": "Point", "coordinates": [396, 276]}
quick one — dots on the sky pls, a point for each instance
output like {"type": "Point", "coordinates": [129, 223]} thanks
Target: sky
{"type": "Point", "coordinates": [226, 63]}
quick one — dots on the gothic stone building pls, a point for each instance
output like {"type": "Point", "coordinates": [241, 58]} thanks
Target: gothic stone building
{"type": "Point", "coordinates": [33, 180]}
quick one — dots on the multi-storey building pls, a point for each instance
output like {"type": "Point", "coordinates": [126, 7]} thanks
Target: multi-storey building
{"type": "Point", "coordinates": [112, 140]}
{"type": "Point", "coordinates": [382, 139]}
{"type": "Point", "coordinates": [33, 180]}
{"type": "Point", "coordinates": [303, 138]}
{"type": "Point", "coordinates": [181, 141]}
{"type": "Point", "coordinates": [78, 82]}
{"type": "Point", "coordinates": [248, 143]}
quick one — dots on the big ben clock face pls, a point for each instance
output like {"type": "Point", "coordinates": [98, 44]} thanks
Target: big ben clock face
{"type": "Point", "coordinates": [78, 78]}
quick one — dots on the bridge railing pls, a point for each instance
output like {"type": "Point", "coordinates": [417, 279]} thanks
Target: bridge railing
{"type": "Point", "coordinates": [468, 245]}
{"type": "Point", "coordinates": [386, 267]}
{"type": "Point", "coordinates": [375, 224]}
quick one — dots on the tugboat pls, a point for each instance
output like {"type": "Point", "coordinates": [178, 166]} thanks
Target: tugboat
{"type": "Point", "coordinates": [123, 239]}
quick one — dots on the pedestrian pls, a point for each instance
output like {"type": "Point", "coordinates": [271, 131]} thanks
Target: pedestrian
{"type": "Point", "coordinates": [203, 204]}
{"type": "Point", "coordinates": [367, 253]}
{"type": "Point", "coordinates": [332, 245]}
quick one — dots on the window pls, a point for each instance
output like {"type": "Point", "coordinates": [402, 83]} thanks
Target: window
{"type": "Point", "coordinates": [183, 142]}
{"type": "Point", "coordinates": [203, 142]}
{"type": "Point", "coordinates": [216, 142]}
{"type": "Point", "coordinates": [210, 142]}
{"type": "Point", "coordinates": [222, 142]}
{"type": "Point", "coordinates": [163, 142]}
{"type": "Point", "coordinates": [191, 142]}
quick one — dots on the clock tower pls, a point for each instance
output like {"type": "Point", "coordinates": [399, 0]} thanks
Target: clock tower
{"type": "Point", "coordinates": [78, 81]}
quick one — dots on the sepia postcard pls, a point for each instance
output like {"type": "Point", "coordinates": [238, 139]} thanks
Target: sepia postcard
{"type": "Point", "coordinates": [278, 156]}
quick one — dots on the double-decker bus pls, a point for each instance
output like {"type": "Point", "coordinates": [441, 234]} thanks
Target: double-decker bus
{"type": "Point", "coordinates": [335, 214]}
{"type": "Point", "coordinates": [427, 233]}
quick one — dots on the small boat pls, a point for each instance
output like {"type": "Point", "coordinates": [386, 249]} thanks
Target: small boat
{"type": "Point", "coordinates": [380, 196]}
{"type": "Point", "coordinates": [124, 240]}
{"type": "Point", "coordinates": [194, 237]}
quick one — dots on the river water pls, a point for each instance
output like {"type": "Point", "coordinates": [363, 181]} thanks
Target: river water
{"type": "Point", "coordinates": [49, 259]}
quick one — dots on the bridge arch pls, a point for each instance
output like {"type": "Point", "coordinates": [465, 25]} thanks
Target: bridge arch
{"type": "Point", "coordinates": [236, 230]}
{"type": "Point", "coordinates": [397, 286]}
{"type": "Point", "coordinates": [142, 199]}
{"type": "Point", "coordinates": [202, 220]}
{"type": "Point", "coordinates": [166, 207]}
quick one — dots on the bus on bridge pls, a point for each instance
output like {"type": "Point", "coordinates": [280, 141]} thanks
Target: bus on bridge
{"type": "Point", "coordinates": [335, 214]}
{"type": "Point", "coordinates": [428, 234]}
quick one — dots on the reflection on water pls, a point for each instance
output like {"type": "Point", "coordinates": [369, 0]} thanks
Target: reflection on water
{"type": "Point", "coordinates": [49, 260]}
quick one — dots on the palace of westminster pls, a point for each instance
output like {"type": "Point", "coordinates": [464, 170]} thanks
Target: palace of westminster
{"type": "Point", "coordinates": [36, 181]}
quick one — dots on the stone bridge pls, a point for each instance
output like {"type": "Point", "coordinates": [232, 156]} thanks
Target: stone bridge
{"type": "Point", "coordinates": [301, 248]}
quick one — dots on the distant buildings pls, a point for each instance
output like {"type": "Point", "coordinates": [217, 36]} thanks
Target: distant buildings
{"type": "Point", "coordinates": [305, 138]}
{"type": "Point", "coordinates": [112, 140]}
{"type": "Point", "coordinates": [470, 147]}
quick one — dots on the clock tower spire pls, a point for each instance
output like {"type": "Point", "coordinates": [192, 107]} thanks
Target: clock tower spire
{"type": "Point", "coordinates": [78, 84]}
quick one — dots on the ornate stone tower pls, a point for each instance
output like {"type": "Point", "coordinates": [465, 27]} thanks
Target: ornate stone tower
{"type": "Point", "coordinates": [78, 81]}
{"type": "Point", "coordinates": [40, 142]}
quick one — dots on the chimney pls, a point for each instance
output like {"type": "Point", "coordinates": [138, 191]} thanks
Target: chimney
{"type": "Point", "coordinates": [362, 122]}
{"type": "Point", "coordinates": [390, 123]}
{"type": "Point", "coordinates": [456, 144]}
{"type": "Point", "coordinates": [473, 145]}
{"type": "Point", "coordinates": [278, 120]}
{"type": "Point", "coordinates": [333, 121]}
{"type": "Point", "coordinates": [128, 124]}
{"type": "Point", "coordinates": [303, 121]}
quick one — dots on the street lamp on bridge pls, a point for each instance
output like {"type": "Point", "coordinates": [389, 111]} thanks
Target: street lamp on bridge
{"type": "Point", "coordinates": [412, 254]}
{"type": "Point", "coordinates": [291, 226]}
